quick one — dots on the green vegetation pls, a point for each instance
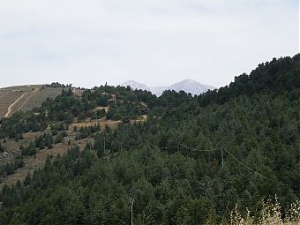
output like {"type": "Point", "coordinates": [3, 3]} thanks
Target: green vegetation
{"type": "Point", "coordinates": [217, 158]}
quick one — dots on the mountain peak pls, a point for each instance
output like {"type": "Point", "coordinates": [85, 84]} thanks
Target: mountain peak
{"type": "Point", "coordinates": [187, 85]}
{"type": "Point", "coordinates": [135, 85]}
{"type": "Point", "coordinates": [190, 86]}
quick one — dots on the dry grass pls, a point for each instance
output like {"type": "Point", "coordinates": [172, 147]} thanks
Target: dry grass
{"type": "Point", "coordinates": [103, 123]}
{"type": "Point", "coordinates": [142, 119]}
{"type": "Point", "coordinates": [25, 98]}
{"type": "Point", "coordinates": [6, 99]}
{"type": "Point", "coordinates": [13, 98]}
{"type": "Point", "coordinates": [101, 107]}
{"type": "Point", "coordinates": [17, 104]}
{"type": "Point", "coordinates": [37, 161]}
{"type": "Point", "coordinates": [270, 215]}
{"type": "Point", "coordinates": [40, 96]}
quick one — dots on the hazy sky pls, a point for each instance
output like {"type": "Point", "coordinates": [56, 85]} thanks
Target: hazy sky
{"type": "Point", "coordinates": [156, 42]}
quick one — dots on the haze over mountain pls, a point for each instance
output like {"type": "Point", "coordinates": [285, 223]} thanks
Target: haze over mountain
{"type": "Point", "coordinates": [187, 85]}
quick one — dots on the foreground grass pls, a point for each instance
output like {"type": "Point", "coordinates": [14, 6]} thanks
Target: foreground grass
{"type": "Point", "coordinates": [270, 215]}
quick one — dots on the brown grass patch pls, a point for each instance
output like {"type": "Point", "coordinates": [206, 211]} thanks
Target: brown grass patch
{"type": "Point", "coordinates": [13, 98]}
{"type": "Point", "coordinates": [38, 161]}
{"type": "Point", "coordinates": [7, 98]}
{"type": "Point", "coordinates": [100, 108]}
{"type": "Point", "coordinates": [142, 119]}
{"type": "Point", "coordinates": [102, 123]}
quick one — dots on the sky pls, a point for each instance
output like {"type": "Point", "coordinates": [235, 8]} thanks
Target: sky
{"type": "Point", "coordinates": [156, 42]}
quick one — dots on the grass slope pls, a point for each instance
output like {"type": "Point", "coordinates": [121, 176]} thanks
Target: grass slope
{"type": "Point", "coordinates": [38, 161]}
{"type": "Point", "coordinates": [15, 98]}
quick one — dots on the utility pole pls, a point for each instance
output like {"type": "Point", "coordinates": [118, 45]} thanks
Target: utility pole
{"type": "Point", "coordinates": [104, 144]}
{"type": "Point", "coordinates": [131, 212]}
{"type": "Point", "coordinates": [222, 157]}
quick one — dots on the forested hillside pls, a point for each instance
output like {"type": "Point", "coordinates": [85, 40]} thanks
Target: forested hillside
{"type": "Point", "coordinates": [173, 159]}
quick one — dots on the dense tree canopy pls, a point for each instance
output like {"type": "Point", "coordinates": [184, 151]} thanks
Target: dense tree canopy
{"type": "Point", "coordinates": [191, 162]}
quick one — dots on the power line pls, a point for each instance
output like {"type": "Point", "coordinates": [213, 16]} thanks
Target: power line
{"type": "Point", "coordinates": [247, 166]}
{"type": "Point", "coordinates": [202, 150]}
{"type": "Point", "coordinates": [198, 150]}
{"type": "Point", "coordinates": [222, 155]}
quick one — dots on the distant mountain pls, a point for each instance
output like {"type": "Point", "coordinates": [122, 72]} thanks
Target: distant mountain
{"type": "Point", "coordinates": [188, 85]}
{"type": "Point", "coordinates": [135, 85]}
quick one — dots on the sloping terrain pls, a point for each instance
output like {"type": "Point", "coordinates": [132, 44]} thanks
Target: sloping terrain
{"type": "Point", "coordinates": [31, 163]}
{"type": "Point", "coordinates": [39, 96]}
{"type": "Point", "coordinates": [7, 98]}
{"type": "Point", "coordinates": [24, 98]}
{"type": "Point", "coordinates": [173, 159]}
{"type": "Point", "coordinates": [14, 145]}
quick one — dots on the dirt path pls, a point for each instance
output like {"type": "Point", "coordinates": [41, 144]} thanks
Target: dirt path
{"type": "Point", "coordinates": [9, 110]}
{"type": "Point", "coordinates": [29, 97]}
{"type": "Point", "coordinates": [12, 105]}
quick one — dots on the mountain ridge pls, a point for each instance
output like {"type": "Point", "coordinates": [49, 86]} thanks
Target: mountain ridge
{"type": "Point", "coordinates": [187, 85]}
